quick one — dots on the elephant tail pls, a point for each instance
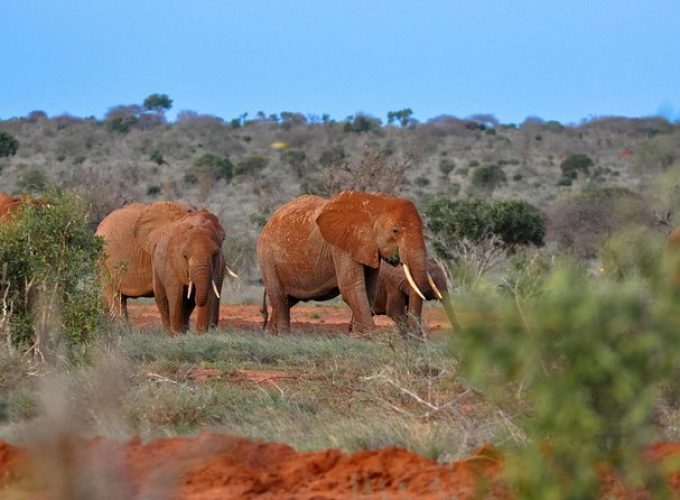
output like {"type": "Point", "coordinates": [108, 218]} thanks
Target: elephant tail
{"type": "Point", "coordinates": [263, 310]}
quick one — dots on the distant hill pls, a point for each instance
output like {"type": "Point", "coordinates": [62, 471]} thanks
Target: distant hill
{"type": "Point", "coordinates": [243, 169]}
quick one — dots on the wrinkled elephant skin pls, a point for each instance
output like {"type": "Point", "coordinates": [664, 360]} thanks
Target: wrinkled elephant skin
{"type": "Point", "coordinates": [314, 249]}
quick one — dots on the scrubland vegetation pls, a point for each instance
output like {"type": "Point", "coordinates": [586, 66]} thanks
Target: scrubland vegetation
{"type": "Point", "coordinates": [566, 345]}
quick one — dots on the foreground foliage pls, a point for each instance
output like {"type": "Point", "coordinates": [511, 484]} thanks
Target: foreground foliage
{"type": "Point", "coordinates": [49, 257]}
{"type": "Point", "coordinates": [589, 359]}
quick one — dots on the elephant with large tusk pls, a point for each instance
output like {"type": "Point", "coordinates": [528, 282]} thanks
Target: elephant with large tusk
{"type": "Point", "coordinates": [314, 249]}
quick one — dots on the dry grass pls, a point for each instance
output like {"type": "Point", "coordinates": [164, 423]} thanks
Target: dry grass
{"type": "Point", "coordinates": [314, 393]}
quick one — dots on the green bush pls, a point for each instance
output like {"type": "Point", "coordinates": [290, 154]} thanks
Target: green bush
{"type": "Point", "coordinates": [581, 364]}
{"type": "Point", "coordinates": [332, 156]}
{"type": "Point", "coordinates": [50, 259]}
{"type": "Point", "coordinates": [513, 222]}
{"type": "Point", "coordinates": [157, 157]}
{"type": "Point", "coordinates": [153, 190]}
{"type": "Point", "coordinates": [488, 177]}
{"type": "Point", "coordinates": [33, 180]}
{"type": "Point", "coordinates": [361, 123]}
{"type": "Point", "coordinates": [446, 166]}
{"type": "Point", "coordinates": [122, 125]}
{"type": "Point", "coordinates": [573, 164]}
{"type": "Point", "coordinates": [296, 159]}
{"type": "Point", "coordinates": [421, 181]}
{"type": "Point", "coordinates": [8, 144]}
{"type": "Point", "coordinates": [250, 164]}
{"type": "Point", "coordinates": [209, 167]}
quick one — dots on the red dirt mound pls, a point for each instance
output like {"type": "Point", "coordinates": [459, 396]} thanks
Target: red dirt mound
{"type": "Point", "coordinates": [213, 466]}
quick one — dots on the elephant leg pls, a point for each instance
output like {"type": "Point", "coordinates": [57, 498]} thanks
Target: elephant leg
{"type": "Point", "coordinates": [280, 317]}
{"type": "Point", "coordinates": [395, 308]}
{"type": "Point", "coordinates": [352, 285]}
{"type": "Point", "coordinates": [214, 319]}
{"type": "Point", "coordinates": [163, 306]}
{"type": "Point", "coordinates": [203, 315]}
{"type": "Point", "coordinates": [188, 306]}
{"type": "Point", "coordinates": [177, 312]}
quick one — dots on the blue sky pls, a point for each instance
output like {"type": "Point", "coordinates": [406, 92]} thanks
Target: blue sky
{"type": "Point", "coordinates": [564, 60]}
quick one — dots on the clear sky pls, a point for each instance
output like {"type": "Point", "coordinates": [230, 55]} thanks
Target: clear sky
{"type": "Point", "coordinates": [564, 60]}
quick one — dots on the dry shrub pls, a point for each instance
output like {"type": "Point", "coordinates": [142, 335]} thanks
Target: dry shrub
{"type": "Point", "coordinates": [374, 171]}
{"type": "Point", "coordinates": [101, 191]}
{"type": "Point", "coordinates": [580, 223]}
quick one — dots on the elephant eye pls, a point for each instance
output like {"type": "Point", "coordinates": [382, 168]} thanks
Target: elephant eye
{"type": "Point", "coordinates": [395, 231]}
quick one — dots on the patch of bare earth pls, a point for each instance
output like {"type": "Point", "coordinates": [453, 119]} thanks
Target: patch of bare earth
{"type": "Point", "coordinates": [308, 319]}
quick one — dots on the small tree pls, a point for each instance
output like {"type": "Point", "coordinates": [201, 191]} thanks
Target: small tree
{"type": "Point", "coordinates": [33, 180]}
{"type": "Point", "coordinates": [296, 158]}
{"type": "Point", "coordinates": [158, 103]}
{"type": "Point", "coordinates": [361, 123]}
{"type": "Point", "coordinates": [157, 157]}
{"type": "Point", "coordinates": [572, 165]}
{"type": "Point", "coordinates": [8, 145]}
{"type": "Point", "coordinates": [209, 168]}
{"type": "Point", "coordinates": [404, 117]}
{"type": "Point", "coordinates": [250, 164]}
{"type": "Point", "coordinates": [488, 177]}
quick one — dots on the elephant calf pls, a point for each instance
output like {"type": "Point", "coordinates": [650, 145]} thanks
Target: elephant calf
{"type": "Point", "coordinates": [393, 291]}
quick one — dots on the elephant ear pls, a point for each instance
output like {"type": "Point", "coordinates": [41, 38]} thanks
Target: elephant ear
{"type": "Point", "coordinates": [155, 219]}
{"type": "Point", "coordinates": [346, 222]}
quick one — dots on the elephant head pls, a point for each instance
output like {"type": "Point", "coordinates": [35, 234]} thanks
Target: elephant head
{"type": "Point", "coordinates": [374, 227]}
{"type": "Point", "coordinates": [194, 251]}
{"type": "Point", "coordinates": [185, 246]}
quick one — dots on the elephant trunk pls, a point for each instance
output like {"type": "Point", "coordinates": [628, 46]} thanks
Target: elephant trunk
{"type": "Point", "coordinates": [201, 274]}
{"type": "Point", "coordinates": [416, 261]}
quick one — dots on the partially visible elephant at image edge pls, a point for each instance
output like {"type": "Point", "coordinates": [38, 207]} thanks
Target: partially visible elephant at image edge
{"type": "Point", "coordinates": [11, 203]}
{"type": "Point", "coordinates": [314, 249]}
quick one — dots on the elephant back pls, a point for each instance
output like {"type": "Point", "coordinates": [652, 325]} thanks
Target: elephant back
{"type": "Point", "coordinates": [154, 219]}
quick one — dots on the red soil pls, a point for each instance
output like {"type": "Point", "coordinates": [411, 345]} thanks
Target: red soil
{"type": "Point", "coordinates": [213, 466]}
{"type": "Point", "coordinates": [307, 319]}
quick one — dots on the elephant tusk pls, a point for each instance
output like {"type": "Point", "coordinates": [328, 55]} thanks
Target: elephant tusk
{"type": "Point", "coordinates": [407, 272]}
{"type": "Point", "coordinates": [230, 272]}
{"type": "Point", "coordinates": [191, 285]}
{"type": "Point", "coordinates": [217, 293]}
{"type": "Point", "coordinates": [434, 287]}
